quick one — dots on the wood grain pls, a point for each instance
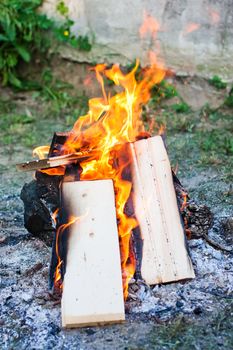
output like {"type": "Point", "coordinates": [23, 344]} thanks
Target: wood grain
{"type": "Point", "coordinates": [164, 256]}
{"type": "Point", "coordinates": [92, 289]}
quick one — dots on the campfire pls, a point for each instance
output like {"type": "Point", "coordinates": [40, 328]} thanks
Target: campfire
{"type": "Point", "coordinates": [118, 216]}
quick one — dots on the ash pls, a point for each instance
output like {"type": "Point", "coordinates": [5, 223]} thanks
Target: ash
{"type": "Point", "coordinates": [211, 288]}
{"type": "Point", "coordinates": [30, 317]}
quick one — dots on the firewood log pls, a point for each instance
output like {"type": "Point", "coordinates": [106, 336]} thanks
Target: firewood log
{"type": "Point", "coordinates": [92, 287]}
{"type": "Point", "coordinates": [165, 256]}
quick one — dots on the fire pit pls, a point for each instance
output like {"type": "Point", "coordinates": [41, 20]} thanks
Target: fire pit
{"type": "Point", "coordinates": [111, 171]}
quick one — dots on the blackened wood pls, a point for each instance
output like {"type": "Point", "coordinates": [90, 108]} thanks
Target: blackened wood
{"type": "Point", "coordinates": [41, 199]}
{"type": "Point", "coordinates": [58, 141]}
{"type": "Point", "coordinates": [197, 218]}
{"type": "Point", "coordinates": [53, 263]}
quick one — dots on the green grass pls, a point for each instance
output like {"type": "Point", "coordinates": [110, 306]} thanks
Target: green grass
{"type": "Point", "coordinates": [196, 139]}
{"type": "Point", "coordinates": [181, 107]}
{"type": "Point", "coordinates": [217, 82]}
{"type": "Point", "coordinates": [49, 109]}
{"type": "Point", "coordinates": [187, 335]}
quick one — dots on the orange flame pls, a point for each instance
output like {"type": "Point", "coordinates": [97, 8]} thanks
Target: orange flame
{"type": "Point", "coordinates": [58, 171]}
{"type": "Point", "coordinates": [185, 217]}
{"type": "Point", "coordinates": [214, 15]}
{"type": "Point", "coordinates": [41, 152]}
{"type": "Point", "coordinates": [191, 27]}
{"type": "Point", "coordinates": [185, 198]}
{"type": "Point", "coordinates": [61, 229]}
{"type": "Point", "coordinates": [110, 124]}
{"type": "Point", "coordinates": [87, 81]}
{"type": "Point", "coordinates": [54, 216]}
{"type": "Point", "coordinates": [149, 26]}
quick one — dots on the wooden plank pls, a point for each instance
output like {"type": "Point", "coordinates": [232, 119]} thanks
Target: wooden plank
{"type": "Point", "coordinates": [53, 162]}
{"type": "Point", "coordinates": [92, 288]}
{"type": "Point", "coordinates": [164, 254]}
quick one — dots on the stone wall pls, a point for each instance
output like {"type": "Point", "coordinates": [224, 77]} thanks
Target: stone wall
{"type": "Point", "coordinates": [195, 36]}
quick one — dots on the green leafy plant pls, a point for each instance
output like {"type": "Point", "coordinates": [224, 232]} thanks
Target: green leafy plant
{"type": "Point", "coordinates": [63, 34]}
{"type": "Point", "coordinates": [166, 90]}
{"type": "Point", "coordinates": [21, 34]}
{"type": "Point", "coordinates": [24, 31]}
{"type": "Point", "coordinates": [62, 8]}
{"type": "Point", "coordinates": [217, 82]}
{"type": "Point", "coordinates": [163, 90]}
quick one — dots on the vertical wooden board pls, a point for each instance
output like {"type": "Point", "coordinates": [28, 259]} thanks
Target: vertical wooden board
{"type": "Point", "coordinates": [92, 288]}
{"type": "Point", "coordinates": [165, 257]}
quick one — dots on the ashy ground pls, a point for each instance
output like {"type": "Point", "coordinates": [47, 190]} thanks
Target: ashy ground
{"type": "Point", "coordinates": [192, 315]}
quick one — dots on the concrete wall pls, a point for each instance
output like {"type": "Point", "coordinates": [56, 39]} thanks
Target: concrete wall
{"type": "Point", "coordinates": [205, 51]}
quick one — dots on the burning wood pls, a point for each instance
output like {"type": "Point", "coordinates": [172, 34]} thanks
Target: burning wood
{"type": "Point", "coordinates": [53, 162]}
{"type": "Point", "coordinates": [92, 288]}
{"type": "Point", "coordinates": [103, 145]}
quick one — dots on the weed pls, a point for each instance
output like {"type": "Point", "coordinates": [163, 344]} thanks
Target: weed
{"type": "Point", "coordinates": [54, 109]}
{"type": "Point", "coordinates": [21, 34]}
{"type": "Point", "coordinates": [62, 8]}
{"type": "Point", "coordinates": [181, 107]}
{"type": "Point", "coordinates": [83, 43]}
{"type": "Point", "coordinates": [64, 34]}
{"type": "Point", "coordinates": [181, 333]}
{"type": "Point", "coordinates": [24, 31]}
{"type": "Point", "coordinates": [163, 90]}
{"type": "Point", "coordinates": [229, 100]}
{"type": "Point", "coordinates": [130, 66]}
{"type": "Point", "coordinates": [217, 82]}
{"type": "Point", "coordinates": [216, 141]}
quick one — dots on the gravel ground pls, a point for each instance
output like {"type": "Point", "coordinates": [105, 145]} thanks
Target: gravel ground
{"type": "Point", "coordinates": [163, 317]}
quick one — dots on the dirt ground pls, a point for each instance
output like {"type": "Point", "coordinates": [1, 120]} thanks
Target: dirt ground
{"type": "Point", "coordinates": [194, 315]}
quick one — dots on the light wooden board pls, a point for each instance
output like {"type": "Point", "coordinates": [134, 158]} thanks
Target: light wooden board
{"type": "Point", "coordinates": [164, 255]}
{"type": "Point", "coordinates": [92, 288]}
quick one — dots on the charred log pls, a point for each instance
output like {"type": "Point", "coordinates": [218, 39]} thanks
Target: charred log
{"type": "Point", "coordinates": [41, 199]}
{"type": "Point", "coordinates": [197, 218]}
{"type": "Point", "coordinates": [59, 139]}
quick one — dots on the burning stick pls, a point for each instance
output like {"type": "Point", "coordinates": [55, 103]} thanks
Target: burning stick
{"type": "Point", "coordinates": [53, 162]}
{"type": "Point", "coordinates": [92, 289]}
{"type": "Point", "coordinates": [164, 254]}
